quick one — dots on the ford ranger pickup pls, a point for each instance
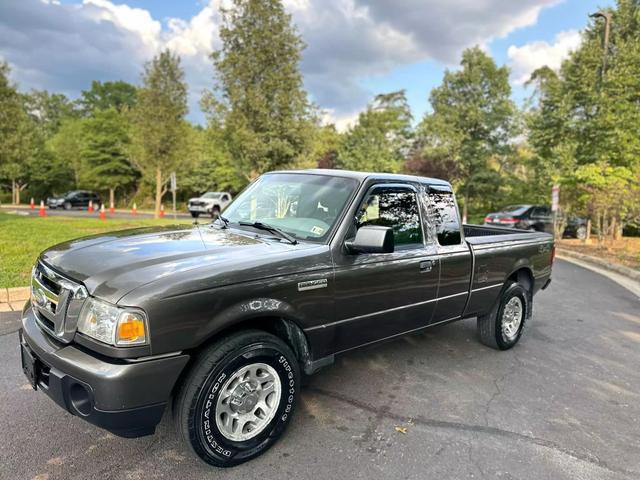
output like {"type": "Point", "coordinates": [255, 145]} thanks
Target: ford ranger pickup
{"type": "Point", "coordinates": [217, 323]}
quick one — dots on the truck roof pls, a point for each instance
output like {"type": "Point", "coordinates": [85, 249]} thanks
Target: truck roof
{"type": "Point", "coordinates": [361, 176]}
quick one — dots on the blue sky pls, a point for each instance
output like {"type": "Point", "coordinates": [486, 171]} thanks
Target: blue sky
{"type": "Point", "coordinates": [355, 48]}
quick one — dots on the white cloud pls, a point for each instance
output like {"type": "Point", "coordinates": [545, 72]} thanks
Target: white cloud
{"type": "Point", "coordinates": [527, 58]}
{"type": "Point", "coordinates": [62, 47]}
{"type": "Point", "coordinates": [134, 20]}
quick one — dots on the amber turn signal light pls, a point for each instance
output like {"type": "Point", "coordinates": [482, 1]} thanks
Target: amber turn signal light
{"type": "Point", "coordinates": [131, 330]}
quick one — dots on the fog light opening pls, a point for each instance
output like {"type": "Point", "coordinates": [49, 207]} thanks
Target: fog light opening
{"type": "Point", "coordinates": [80, 399]}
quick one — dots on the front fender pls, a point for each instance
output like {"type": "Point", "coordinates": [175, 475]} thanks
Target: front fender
{"type": "Point", "coordinates": [247, 311]}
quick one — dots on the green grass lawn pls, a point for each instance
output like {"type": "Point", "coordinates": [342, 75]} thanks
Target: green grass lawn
{"type": "Point", "coordinates": [22, 239]}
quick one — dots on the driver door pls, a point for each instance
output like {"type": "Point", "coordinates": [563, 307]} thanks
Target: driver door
{"type": "Point", "coordinates": [381, 295]}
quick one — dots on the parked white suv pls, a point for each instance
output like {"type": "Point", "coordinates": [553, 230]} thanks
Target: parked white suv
{"type": "Point", "coordinates": [211, 203]}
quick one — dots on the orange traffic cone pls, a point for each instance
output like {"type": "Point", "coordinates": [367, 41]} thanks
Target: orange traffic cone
{"type": "Point", "coordinates": [162, 210]}
{"type": "Point", "coordinates": [42, 212]}
{"type": "Point", "coordinates": [32, 204]}
{"type": "Point", "coordinates": [90, 209]}
{"type": "Point", "coordinates": [134, 210]}
{"type": "Point", "coordinates": [103, 215]}
{"type": "Point", "coordinates": [112, 209]}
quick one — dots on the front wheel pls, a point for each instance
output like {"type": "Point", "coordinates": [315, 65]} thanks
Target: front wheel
{"type": "Point", "coordinates": [67, 205]}
{"type": "Point", "coordinates": [195, 214]}
{"type": "Point", "coordinates": [502, 327]}
{"type": "Point", "coordinates": [215, 212]}
{"type": "Point", "coordinates": [238, 398]}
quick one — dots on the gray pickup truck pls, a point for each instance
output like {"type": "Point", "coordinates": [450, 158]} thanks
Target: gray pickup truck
{"type": "Point", "coordinates": [220, 321]}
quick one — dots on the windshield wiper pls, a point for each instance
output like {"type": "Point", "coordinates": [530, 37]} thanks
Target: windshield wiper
{"type": "Point", "coordinates": [270, 228]}
{"type": "Point", "coordinates": [224, 220]}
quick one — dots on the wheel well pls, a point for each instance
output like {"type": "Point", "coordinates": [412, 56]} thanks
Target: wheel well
{"type": "Point", "coordinates": [524, 277]}
{"type": "Point", "coordinates": [286, 330]}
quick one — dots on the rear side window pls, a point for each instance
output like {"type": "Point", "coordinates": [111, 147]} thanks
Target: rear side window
{"type": "Point", "coordinates": [540, 212]}
{"type": "Point", "coordinates": [394, 207]}
{"type": "Point", "coordinates": [444, 215]}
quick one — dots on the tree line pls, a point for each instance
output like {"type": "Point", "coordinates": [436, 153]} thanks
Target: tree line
{"type": "Point", "coordinates": [579, 129]}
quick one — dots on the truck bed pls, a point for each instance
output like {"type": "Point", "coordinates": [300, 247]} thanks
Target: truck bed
{"type": "Point", "coordinates": [481, 234]}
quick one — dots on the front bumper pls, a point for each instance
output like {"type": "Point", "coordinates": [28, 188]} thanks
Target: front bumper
{"type": "Point", "coordinates": [200, 209]}
{"type": "Point", "coordinates": [123, 397]}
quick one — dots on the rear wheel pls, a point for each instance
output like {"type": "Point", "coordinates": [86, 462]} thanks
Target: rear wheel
{"type": "Point", "coordinates": [502, 327]}
{"type": "Point", "coordinates": [238, 398]}
{"type": "Point", "coordinates": [581, 232]}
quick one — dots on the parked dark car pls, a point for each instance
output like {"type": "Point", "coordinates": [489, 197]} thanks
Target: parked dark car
{"type": "Point", "coordinates": [525, 217]}
{"type": "Point", "coordinates": [220, 320]}
{"type": "Point", "coordinates": [538, 218]}
{"type": "Point", "coordinates": [74, 199]}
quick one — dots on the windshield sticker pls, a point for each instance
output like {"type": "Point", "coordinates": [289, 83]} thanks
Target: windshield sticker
{"type": "Point", "coordinates": [317, 230]}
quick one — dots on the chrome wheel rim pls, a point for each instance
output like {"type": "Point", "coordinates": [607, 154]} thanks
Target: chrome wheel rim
{"type": "Point", "coordinates": [248, 401]}
{"type": "Point", "coordinates": [512, 318]}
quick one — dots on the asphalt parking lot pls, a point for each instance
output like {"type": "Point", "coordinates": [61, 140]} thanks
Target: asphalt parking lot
{"type": "Point", "coordinates": [563, 404]}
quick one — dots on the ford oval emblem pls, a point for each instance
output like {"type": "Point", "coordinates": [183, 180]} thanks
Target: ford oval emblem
{"type": "Point", "coordinates": [39, 297]}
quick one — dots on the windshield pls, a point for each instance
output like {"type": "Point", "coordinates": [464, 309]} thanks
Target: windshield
{"type": "Point", "coordinates": [211, 195]}
{"type": "Point", "coordinates": [303, 205]}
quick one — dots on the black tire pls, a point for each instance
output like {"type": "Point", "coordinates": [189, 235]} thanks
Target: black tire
{"type": "Point", "coordinates": [490, 326]}
{"type": "Point", "coordinates": [204, 384]}
{"type": "Point", "coordinates": [215, 212]}
{"type": "Point", "coordinates": [195, 214]}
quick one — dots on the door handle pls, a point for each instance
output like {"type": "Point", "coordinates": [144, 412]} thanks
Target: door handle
{"type": "Point", "coordinates": [426, 266]}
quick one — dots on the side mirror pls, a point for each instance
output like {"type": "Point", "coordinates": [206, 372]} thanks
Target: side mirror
{"type": "Point", "coordinates": [372, 239]}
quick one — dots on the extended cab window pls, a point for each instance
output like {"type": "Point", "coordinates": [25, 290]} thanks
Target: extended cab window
{"type": "Point", "coordinates": [394, 207]}
{"type": "Point", "coordinates": [444, 215]}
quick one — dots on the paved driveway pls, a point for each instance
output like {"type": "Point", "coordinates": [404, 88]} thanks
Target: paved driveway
{"type": "Point", "coordinates": [563, 404]}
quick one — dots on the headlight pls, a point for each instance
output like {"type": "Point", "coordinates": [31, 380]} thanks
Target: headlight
{"type": "Point", "coordinates": [113, 325]}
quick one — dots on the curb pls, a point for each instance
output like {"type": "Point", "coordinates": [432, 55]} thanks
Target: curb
{"type": "Point", "coordinates": [621, 269]}
{"type": "Point", "coordinates": [12, 299]}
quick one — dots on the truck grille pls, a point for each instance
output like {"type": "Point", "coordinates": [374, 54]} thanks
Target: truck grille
{"type": "Point", "coordinates": [56, 302]}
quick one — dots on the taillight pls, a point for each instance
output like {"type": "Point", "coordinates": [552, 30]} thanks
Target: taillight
{"type": "Point", "coordinates": [487, 219]}
{"type": "Point", "coordinates": [509, 220]}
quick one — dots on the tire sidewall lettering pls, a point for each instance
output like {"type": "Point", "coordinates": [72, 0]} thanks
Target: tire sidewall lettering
{"type": "Point", "coordinates": [212, 439]}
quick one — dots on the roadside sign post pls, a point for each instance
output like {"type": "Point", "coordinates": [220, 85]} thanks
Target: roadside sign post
{"type": "Point", "coordinates": [555, 200]}
{"type": "Point", "coordinates": [174, 187]}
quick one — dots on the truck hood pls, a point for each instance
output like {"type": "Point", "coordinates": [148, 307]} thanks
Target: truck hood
{"type": "Point", "coordinates": [113, 264]}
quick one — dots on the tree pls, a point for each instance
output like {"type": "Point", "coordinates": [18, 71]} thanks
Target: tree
{"type": "Point", "coordinates": [609, 193]}
{"type": "Point", "coordinates": [585, 121]}
{"type": "Point", "coordinates": [258, 99]}
{"type": "Point", "coordinates": [14, 135]}
{"type": "Point", "coordinates": [213, 167]}
{"type": "Point", "coordinates": [472, 122]}
{"type": "Point", "coordinates": [380, 140]}
{"type": "Point", "coordinates": [66, 146]}
{"type": "Point", "coordinates": [105, 152]}
{"type": "Point", "coordinates": [157, 120]}
{"type": "Point", "coordinates": [104, 95]}
{"type": "Point", "coordinates": [322, 150]}
{"type": "Point", "coordinates": [48, 110]}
